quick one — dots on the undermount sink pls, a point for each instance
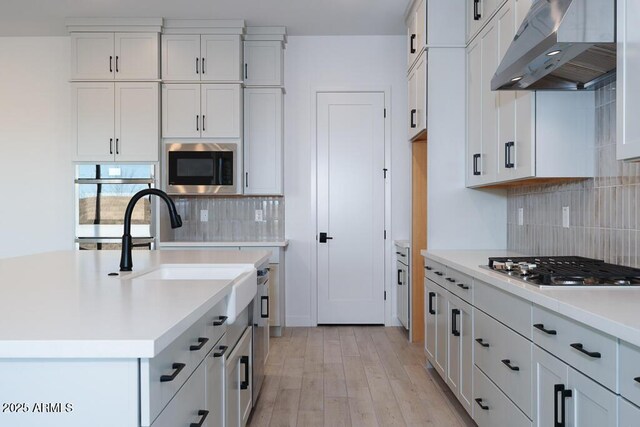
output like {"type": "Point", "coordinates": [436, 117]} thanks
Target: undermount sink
{"type": "Point", "coordinates": [244, 281]}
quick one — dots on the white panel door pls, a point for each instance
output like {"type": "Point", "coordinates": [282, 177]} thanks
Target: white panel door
{"type": "Point", "coordinates": [628, 414]}
{"type": "Point", "coordinates": [221, 58]}
{"type": "Point", "coordinates": [453, 353]}
{"type": "Point", "coordinates": [92, 56]}
{"type": "Point", "coordinates": [181, 57]}
{"type": "Point", "coordinates": [430, 319]}
{"type": "Point", "coordinates": [549, 373]}
{"type": "Point", "coordinates": [442, 330]}
{"type": "Point", "coordinates": [421, 93]}
{"type": "Point", "coordinates": [506, 140]}
{"type": "Point", "coordinates": [93, 121]}
{"type": "Point", "coordinates": [591, 404]}
{"type": "Point", "coordinates": [412, 125]}
{"type": "Point", "coordinates": [474, 122]}
{"type": "Point", "coordinates": [221, 107]}
{"type": "Point", "coordinates": [181, 111]}
{"type": "Point", "coordinates": [628, 84]}
{"type": "Point", "coordinates": [137, 122]}
{"type": "Point", "coordinates": [350, 201]}
{"type": "Point", "coordinates": [263, 141]}
{"type": "Point", "coordinates": [263, 63]}
{"type": "Point", "coordinates": [488, 110]}
{"type": "Point", "coordinates": [136, 56]}
{"type": "Point", "coordinates": [465, 326]}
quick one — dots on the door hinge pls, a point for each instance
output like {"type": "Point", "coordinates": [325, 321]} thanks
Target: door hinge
{"type": "Point", "coordinates": [385, 234]}
{"type": "Point", "coordinates": [385, 170]}
{"type": "Point", "coordinates": [385, 112]}
{"type": "Point", "coordinates": [385, 295]}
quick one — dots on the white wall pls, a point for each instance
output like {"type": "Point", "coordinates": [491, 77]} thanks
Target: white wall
{"type": "Point", "coordinates": [336, 62]}
{"type": "Point", "coordinates": [36, 176]}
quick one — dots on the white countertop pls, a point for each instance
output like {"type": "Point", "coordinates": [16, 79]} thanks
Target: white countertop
{"type": "Point", "coordinates": [279, 243]}
{"type": "Point", "coordinates": [402, 243]}
{"type": "Point", "coordinates": [64, 304]}
{"type": "Point", "coordinates": [613, 311]}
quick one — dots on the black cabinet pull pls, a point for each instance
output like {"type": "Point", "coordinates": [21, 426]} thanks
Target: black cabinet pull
{"type": "Point", "coordinates": [223, 350]}
{"type": "Point", "coordinates": [244, 360]}
{"type": "Point", "coordinates": [508, 364]}
{"type": "Point", "coordinates": [437, 273]}
{"type": "Point", "coordinates": [428, 268]}
{"type": "Point", "coordinates": [177, 368]}
{"type": "Point", "coordinates": [413, 118]}
{"type": "Point", "coordinates": [203, 123]}
{"type": "Point", "coordinates": [197, 65]}
{"type": "Point", "coordinates": [412, 49]}
{"type": "Point", "coordinates": [450, 279]}
{"type": "Point", "coordinates": [203, 416]}
{"type": "Point", "coordinates": [221, 320]}
{"type": "Point", "coordinates": [476, 170]}
{"type": "Point", "coordinates": [454, 322]}
{"type": "Point", "coordinates": [198, 122]}
{"type": "Point", "coordinates": [508, 163]}
{"type": "Point", "coordinates": [540, 327]}
{"type": "Point", "coordinates": [637, 379]}
{"type": "Point", "coordinates": [117, 145]}
{"type": "Point", "coordinates": [399, 277]}
{"type": "Point", "coordinates": [111, 64]}
{"type": "Point", "coordinates": [201, 343]}
{"type": "Point", "coordinates": [559, 410]}
{"type": "Point", "coordinates": [476, 11]}
{"type": "Point", "coordinates": [479, 402]}
{"type": "Point", "coordinates": [246, 179]}
{"type": "Point", "coordinates": [262, 299]}
{"type": "Point", "coordinates": [580, 348]}
{"type": "Point", "coordinates": [110, 145]}
{"type": "Point", "coordinates": [400, 254]}
{"type": "Point", "coordinates": [323, 237]}
{"type": "Point", "coordinates": [246, 74]}
{"type": "Point", "coordinates": [463, 286]}
{"type": "Point", "coordinates": [204, 70]}
{"type": "Point", "coordinates": [482, 343]}
{"type": "Point", "coordinates": [431, 310]}
{"type": "Point", "coordinates": [117, 68]}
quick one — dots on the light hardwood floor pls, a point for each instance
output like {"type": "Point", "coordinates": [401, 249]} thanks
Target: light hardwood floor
{"type": "Point", "coordinates": [352, 376]}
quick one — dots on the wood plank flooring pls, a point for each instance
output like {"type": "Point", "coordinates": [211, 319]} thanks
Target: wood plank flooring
{"type": "Point", "coordinates": [352, 376]}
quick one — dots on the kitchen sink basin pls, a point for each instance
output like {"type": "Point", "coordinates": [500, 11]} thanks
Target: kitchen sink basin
{"type": "Point", "coordinates": [244, 281]}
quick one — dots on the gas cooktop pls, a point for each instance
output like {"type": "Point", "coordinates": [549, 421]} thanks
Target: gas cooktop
{"type": "Point", "coordinates": [562, 271]}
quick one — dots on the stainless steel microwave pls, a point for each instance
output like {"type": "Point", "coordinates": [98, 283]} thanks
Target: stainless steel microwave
{"type": "Point", "coordinates": [201, 168]}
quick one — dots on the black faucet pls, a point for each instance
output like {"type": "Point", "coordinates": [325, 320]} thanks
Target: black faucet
{"type": "Point", "coordinates": [126, 263]}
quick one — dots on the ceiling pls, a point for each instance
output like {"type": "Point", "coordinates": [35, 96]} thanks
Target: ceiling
{"type": "Point", "coordinates": [301, 17]}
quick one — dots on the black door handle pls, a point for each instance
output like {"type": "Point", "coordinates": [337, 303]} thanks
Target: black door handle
{"type": "Point", "coordinates": [563, 393]}
{"type": "Point", "coordinates": [221, 320]}
{"type": "Point", "coordinates": [412, 49]}
{"type": "Point", "coordinates": [324, 238]}
{"type": "Point", "coordinates": [198, 122]}
{"type": "Point", "coordinates": [508, 364]}
{"type": "Point", "coordinates": [507, 155]}
{"type": "Point", "coordinates": [476, 12]}
{"type": "Point", "coordinates": [399, 278]}
{"type": "Point", "coordinates": [264, 298]}
{"type": "Point", "coordinates": [177, 368]}
{"type": "Point", "coordinates": [223, 350]}
{"type": "Point", "coordinates": [482, 343]}
{"type": "Point", "coordinates": [245, 71]}
{"type": "Point", "coordinates": [413, 118]}
{"type": "Point", "coordinates": [479, 402]}
{"type": "Point", "coordinates": [203, 69]}
{"type": "Point", "coordinates": [476, 170]}
{"type": "Point", "coordinates": [117, 68]}
{"type": "Point", "coordinates": [197, 65]}
{"type": "Point", "coordinates": [244, 360]}
{"type": "Point", "coordinates": [110, 145]}
{"type": "Point", "coordinates": [454, 322]}
{"type": "Point", "coordinates": [431, 310]}
{"type": "Point", "coordinates": [203, 414]}
{"type": "Point", "coordinates": [201, 343]}
{"type": "Point", "coordinates": [540, 327]}
{"type": "Point", "coordinates": [111, 64]}
{"type": "Point", "coordinates": [203, 123]}
{"type": "Point", "coordinates": [581, 349]}
{"type": "Point", "coordinates": [117, 145]}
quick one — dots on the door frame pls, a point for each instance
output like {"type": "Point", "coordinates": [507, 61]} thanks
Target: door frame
{"type": "Point", "coordinates": [313, 190]}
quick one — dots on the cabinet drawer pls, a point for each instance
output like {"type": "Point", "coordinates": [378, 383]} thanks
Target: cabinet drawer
{"type": "Point", "coordinates": [629, 371]}
{"type": "Point", "coordinates": [402, 254]}
{"type": "Point", "coordinates": [188, 407]}
{"type": "Point", "coordinates": [491, 407]}
{"type": "Point", "coordinates": [460, 284]}
{"type": "Point", "coordinates": [216, 323]}
{"type": "Point", "coordinates": [505, 357]}
{"type": "Point", "coordinates": [572, 341]}
{"type": "Point", "coordinates": [435, 271]}
{"type": "Point", "coordinates": [508, 309]}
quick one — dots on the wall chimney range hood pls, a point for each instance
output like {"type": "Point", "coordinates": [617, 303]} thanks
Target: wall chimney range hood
{"type": "Point", "coordinates": [561, 45]}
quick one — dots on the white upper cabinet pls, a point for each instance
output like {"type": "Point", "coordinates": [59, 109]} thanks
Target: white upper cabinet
{"type": "Point", "coordinates": [479, 13]}
{"type": "Point", "coordinates": [628, 86]}
{"type": "Point", "coordinates": [119, 56]}
{"type": "Point", "coordinates": [93, 121]}
{"type": "Point", "coordinates": [181, 111]}
{"type": "Point", "coordinates": [418, 98]}
{"type": "Point", "coordinates": [263, 63]}
{"type": "Point", "coordinates": [137, 121]}
{"type": "Point", "coordinates": [263, 141]}
{"type": "Point", "coordinates": [208, 57]}
{"type": "Point", "coordinates": [221, 109]}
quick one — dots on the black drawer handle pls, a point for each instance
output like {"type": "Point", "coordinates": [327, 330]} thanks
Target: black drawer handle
{"type": "Point", "coordinates": [201, 343]}
{"type": "Point", "coordinates": [203, 414]}
{"type": "Point", "coordinates": [479, 402]}
{"type": "Point", "coordinates": [482, 343]}
{"type": "Point", "coordinates": [437, 273]}
{"type": "Point", "coordinates": [221, 321]}
{"type": "Point", "coordinates": [463, 286]}
{"type": "Point", "coordinates": [508, 364]}
{"type": "Point", "coordinates": [540, 327]}
{"type": "Point", "coordinates": [244, 360]}
{"type": "Point", "coordinates": [428, 268]}
{"type": "Point", "coordinates": [177, 368]}
{"type": "Point", "coordinates": [580, 348]}
{"type": "Point", "coordinates": [449, 279]}
{"type": "Point", "coordinates": [454, 322]}
{"type": "Point", "coordinates": [637, 379]}
{"type": "Point", "coordinates": [431, 310]}
{"type": "Point", "coordinates": [223, 350]}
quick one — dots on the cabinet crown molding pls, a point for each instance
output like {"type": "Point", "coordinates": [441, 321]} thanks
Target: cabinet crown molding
{"type": "Point", "coordinates": [131, 25]}
{"type": "Point", "coordinates": [205, 26]}
{"type": "Point", "coordinates": [266, 34]}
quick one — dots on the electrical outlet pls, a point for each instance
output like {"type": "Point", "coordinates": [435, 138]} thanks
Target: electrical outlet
{"type": "Point", "coordinates": [204, 215]}
{"type": "Point", "coordinates": [565, 216]}
{"type": "Point", "coordinates": [114, 172]}
{"type": "Point", "coordinates": [520, 216]}
{"type": "Point", "coordinates": [259, 217]}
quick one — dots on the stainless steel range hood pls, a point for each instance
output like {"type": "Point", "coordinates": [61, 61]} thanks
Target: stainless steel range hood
{"type": "Point", "coordinates": [561, 45]}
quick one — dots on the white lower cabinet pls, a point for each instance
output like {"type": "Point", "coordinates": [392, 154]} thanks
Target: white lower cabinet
{"type": "Point", "coordinates": [492, 407]}
{"type": "Point", "coordinates": [460, 351]}
{"type": "Point", "coordinates": [188, 406]}
{"type": "Point", "coordinates": [238, 382]}
{"type": "Point", "coordinates": [628, 413]}
{"type": "Point", "coordinates": [215, 384]}
{"type": "Point", "coordinates": [430, 319]}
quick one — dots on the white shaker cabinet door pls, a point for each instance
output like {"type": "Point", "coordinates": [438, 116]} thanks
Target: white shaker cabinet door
{"type": "Point", "coordinates": [628, 84]}
{"type": "Point", "coordinates": [221, 107]}
{"type": "Point", "coordinates": [92, 126]}
{"type": "Point", "coordinates": [181, 57]}
{"type": "Point", "coordinates": [430, 319]}
{"type": "Point", "coordinates": [412, 126]}
{"type": "Point", "coordinates": [222, 58]}
{"type": "Point", "coordinates": [137, 122]}
{"type": "Point", "coordinates": [628, 414]}
{"type": "Point", "coordinates": [549, 374]}
{"type": "Point", "coordinates": [421, 93]}
{"type": "Point", "coordinates": [181, 111]}
{"type": "Point", "coordinates": [263, 63]}
{"type": "Point", "coordinates": [137, 56]}
{"type": "Point", "coordinates": [591, 404]}
{"type": "Point", "coordinates": [488, 111]}
{"type": "Point", "coordinates": [474, 121]}
{"type": "Point", "coordinates": [92, 56]}
{"type": "Point", "coordinates": [263, 149]}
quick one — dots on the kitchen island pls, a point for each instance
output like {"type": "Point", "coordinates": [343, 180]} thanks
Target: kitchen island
{"type": "Point", "coordinates": [81, 346]}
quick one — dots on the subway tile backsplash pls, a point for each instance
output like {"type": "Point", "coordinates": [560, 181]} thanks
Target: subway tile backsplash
{"type": "Point", "coordinates": [604, 217]}
{"type": "Point", "coordinates": [230, 219]}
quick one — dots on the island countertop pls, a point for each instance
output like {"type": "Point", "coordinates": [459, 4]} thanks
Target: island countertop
{"type": "Point", "coordinates": [65, 305]}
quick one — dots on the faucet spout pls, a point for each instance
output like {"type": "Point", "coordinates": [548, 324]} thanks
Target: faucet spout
{"type": "Point", "coordinates": [126, 262]}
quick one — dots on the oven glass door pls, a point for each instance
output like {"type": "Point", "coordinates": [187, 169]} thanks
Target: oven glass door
{"type": "Point", "coordinates": [207, 168]}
